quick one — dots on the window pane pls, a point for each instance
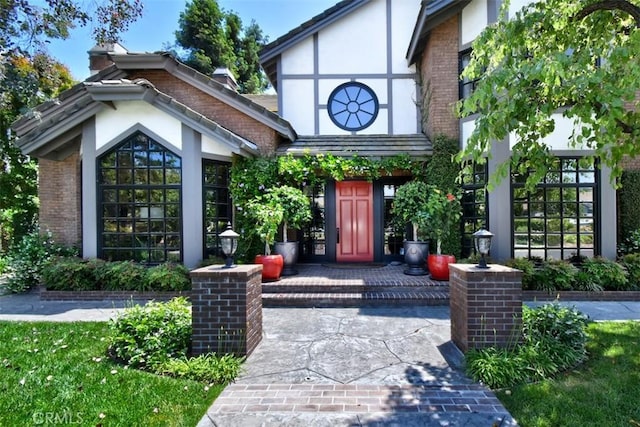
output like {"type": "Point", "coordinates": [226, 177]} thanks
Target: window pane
{"type": "Point", "coordinates": [137, 197]}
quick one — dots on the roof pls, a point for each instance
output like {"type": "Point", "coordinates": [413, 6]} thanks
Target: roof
{"type": "Point", "coordinates": [270, 102]}
{"type": "Point", "coordinates": [374, 146]}
{"type": "Point", "coordinates": [432, 13]}
{"type": "Point", "coordinates": [72, 101]}
{"type": "Point", "coordinates": [270, 53]}
{"type": "Point", "coordinates": [52, 133]}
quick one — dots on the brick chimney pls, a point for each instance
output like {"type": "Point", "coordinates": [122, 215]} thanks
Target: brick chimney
{"type": "Point", "coordinates": [224, 76]}
{"type": "Point", "coordinates": [99, 56]}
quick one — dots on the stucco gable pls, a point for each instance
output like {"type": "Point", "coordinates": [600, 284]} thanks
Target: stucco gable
{"type": "Point", "coordinates": [73, 106]}
{"type": "Point", "coordinates": [270, 53]}
{"type": "Point", "coordinates": [50, 134]}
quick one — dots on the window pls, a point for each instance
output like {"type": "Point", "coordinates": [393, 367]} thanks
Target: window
{"type": "Point", "coordinates": [394, 235]}
{"type": "Point", "coordinates": [474, 204]}
{"type": "Point", "coordinates": [352, 106]}
{"type": "Point", "coordinates": [140, 208]}
{"type": "Point", "coordinates": [466, 86]}
{"type": "Point", "coordinates": [217, 204]}
{"type": "Point", "coordinates": [313, 240]}
{"type": "Point", "coordinates": [558, 219]}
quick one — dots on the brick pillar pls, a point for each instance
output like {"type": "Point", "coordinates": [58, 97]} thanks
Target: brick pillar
{"type": "Point", "coordinates": [227, 309]}
{"type": "Point", "coordinates": [486, 305]}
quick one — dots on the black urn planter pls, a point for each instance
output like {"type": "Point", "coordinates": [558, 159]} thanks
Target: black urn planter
{"type": "Point", "coordinates": [289, 252]}
{"type": "Point", "coordinates": [415, 256]}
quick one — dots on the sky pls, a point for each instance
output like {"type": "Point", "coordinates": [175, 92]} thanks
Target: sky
{"type": "Point", "coordinates": [159, 22]}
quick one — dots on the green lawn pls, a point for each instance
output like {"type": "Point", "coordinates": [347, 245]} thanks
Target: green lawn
{"type": "Point", "coordinates": [57, 373]}
{"type": "Point", "coordinates": [605, 391]}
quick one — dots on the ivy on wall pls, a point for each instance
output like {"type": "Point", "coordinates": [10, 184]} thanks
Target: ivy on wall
{"type": "Point", "coordinates": [628, 204]}
{"type": "Point", "coordinates": [443, 172]}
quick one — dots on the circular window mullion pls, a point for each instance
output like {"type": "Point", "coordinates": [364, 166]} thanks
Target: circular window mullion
{"type": "Point", "coordinates": [352, 98]}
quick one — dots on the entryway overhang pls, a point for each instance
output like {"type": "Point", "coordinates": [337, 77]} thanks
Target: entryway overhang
{"type": "Point", "coordinates": [372, 146]}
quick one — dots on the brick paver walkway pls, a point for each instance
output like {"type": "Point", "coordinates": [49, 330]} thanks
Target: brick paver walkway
{"type": "Point", "coordinates": [355, 399]}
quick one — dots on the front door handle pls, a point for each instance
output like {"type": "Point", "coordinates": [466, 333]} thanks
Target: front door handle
{"type": "Point", "coordinates": [338, 235]}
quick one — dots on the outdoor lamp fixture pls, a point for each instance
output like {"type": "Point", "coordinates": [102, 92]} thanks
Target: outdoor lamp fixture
{"type": "Point", "coordinates": [229, 243]}
{"type": "Point", "coordinates": [482, 240]}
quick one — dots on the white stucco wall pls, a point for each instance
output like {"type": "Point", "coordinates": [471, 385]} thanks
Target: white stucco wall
{"type": "Point", "coordinates": [559, 139]}
{"type": "Point", "coordinates": [299, 107]}
{"type": "Point", "coordinates": [403, 16]}
{"type": "Point", "coordinates": [474, 20]}
{"type": "Point", "coordinates": [111, 123]}
{"type": "Point", "coordinates": [299, 58]}
{"type": "Point", "coordinates": [215, 146]}
{"type": "Point", "coordinates": [405, 114]}
{"type": "Point", "coordinates": [355, 44]}
{"type": "Point", "coordinates": [516, 5]}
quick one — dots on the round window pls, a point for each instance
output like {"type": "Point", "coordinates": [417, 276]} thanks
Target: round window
{"type": "Point", "coordinates": [352, 106]}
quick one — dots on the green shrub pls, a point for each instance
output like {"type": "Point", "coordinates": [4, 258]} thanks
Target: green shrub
{"type": "Point", "coordinates": [630, 244]}
{"type": "Point", "coordinates": [147, 336]}
{"type": "Point", "coordinates": [631, 262]}
{"type": "Point", "coordinates": [597, 274]}
{"type": "Point", "coordinates": [628, 207]}
{"type": "Point", "coordinates": [555, 275]}
{"type": "Point", "coordinates": [565, 325]}
{"type": "Point", "coordinates": [495, 367]}
{"type": "Point", "coordinates": [208, 368]}
{"type": "Point", "coordinates": [168, 277]}
{"type": "Point", "coordinates": [3, 264]}
{"type": "Point", "coordinates": [553, 340]}
{"type": "Point", "coordinates": [122, 276]}
{"type": "Point", "coordinates": [71, 274]}
{"type": "Point", "coordinates": [27, 259]}
{"type": "Point", "coordinates": [528, 271]}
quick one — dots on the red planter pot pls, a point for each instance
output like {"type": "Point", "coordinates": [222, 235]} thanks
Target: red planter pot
{"type": "Point", "coordinates": [439, 266]}
{"type": "Point", "coordinates": [271, 267]}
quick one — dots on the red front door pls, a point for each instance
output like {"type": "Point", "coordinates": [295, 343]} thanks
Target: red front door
{"type": "Point", "coordinates": [354, 202]}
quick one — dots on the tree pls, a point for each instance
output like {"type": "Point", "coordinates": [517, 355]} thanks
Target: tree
{"type": "Point", "coordinates": [29, 76]}
{"type": "Point", "coordinates": [577, 58]}
{"type": "Point", "coordinates": [25, 25]}
{"type": "Point", "coordinates": [26, 82]}
{"type": "Point", "coordinates": [215, 38]}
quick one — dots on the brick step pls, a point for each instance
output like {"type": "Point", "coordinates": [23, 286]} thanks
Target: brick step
{"type": "Point", "coordinates": [356, 299]}
{"type": "Point", "coordinates": [356, 398]}
{"type": "Point", "coordinates": [300, 287]}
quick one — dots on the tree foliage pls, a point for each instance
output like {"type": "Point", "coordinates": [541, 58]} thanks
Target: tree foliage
{"type": "Point", "coordinates": [575, 58]}
{"type": "Point", "coordinates": [26, 25]}
{"type": "Point", "coordinates": [25, 83]}
{"type": "Point", "coordinates": [29, 76]}
{"type": "Point", "coordinates": [216, 38]}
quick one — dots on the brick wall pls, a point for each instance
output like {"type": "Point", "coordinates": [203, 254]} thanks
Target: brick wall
{"type": "Point", "coordinates": [59, 190]}
{"type": "Point", "coordinates": [226, 116]}
{"type": "Point", "coordinates": [227, 309]}
{"type": "Point", "coordinates": [486, 305]}
{"type": "Point", "coordinates": [439, 76]}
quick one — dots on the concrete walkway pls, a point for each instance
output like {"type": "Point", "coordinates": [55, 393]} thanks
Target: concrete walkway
{"type": "Point", "coordinates": [340, 367]}
{"type": "Point", "coordinates": [355, 367]}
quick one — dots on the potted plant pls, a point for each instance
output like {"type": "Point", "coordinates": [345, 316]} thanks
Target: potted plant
{"type": "Point", "coordinates": [410, 206]}
{"type": "Point", "coordinates": [296, 212]}
{"type": "Point", "coordinates": [267, 217]}
{"type": "Point", "coordinates": [444, 211]}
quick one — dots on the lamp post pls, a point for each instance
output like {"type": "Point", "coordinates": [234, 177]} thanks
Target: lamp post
{"type": "Point", "coordinates": [482, 240]}
{"type": "Point", "coordinates": [229, 244]}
